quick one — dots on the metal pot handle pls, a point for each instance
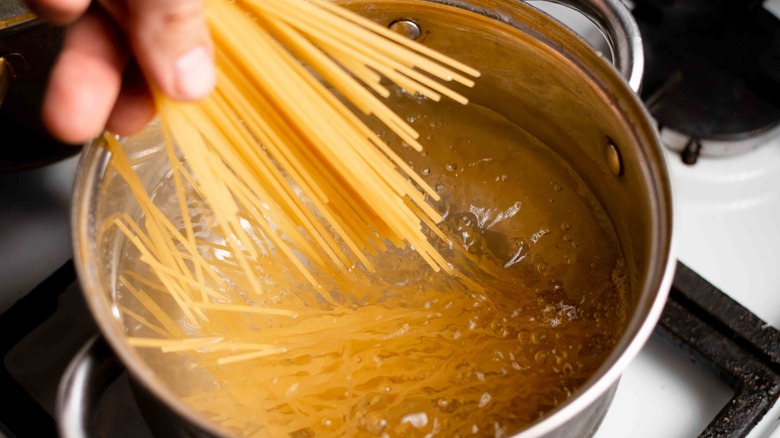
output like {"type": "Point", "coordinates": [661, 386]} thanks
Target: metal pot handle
{"type": "Point", "coordinates": [6, 76]}
{"type": "Point", "coordinates": [617, 24]}
{"type": "Point", "coordinates": [86, 378]}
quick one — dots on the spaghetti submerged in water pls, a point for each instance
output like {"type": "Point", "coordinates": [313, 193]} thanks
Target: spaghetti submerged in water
{"type": "Point", "coordinates": [291, 263]}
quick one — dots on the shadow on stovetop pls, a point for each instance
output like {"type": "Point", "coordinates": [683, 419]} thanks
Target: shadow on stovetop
{"type": "Point", "coordinates": [40, 336]}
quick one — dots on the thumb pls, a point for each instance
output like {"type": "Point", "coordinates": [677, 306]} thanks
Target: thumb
{"type": "Point", "coordinates": [171, 42]}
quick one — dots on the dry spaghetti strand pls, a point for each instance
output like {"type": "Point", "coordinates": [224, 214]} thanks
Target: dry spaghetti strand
{"type": "Point", "coordinates": [282, 116]}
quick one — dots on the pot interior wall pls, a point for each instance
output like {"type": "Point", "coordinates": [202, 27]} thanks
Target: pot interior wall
{"type": "Point", "coordinates": [553, 85]}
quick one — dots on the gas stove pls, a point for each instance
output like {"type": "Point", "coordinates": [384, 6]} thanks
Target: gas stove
{"type": "Point", "coordinates": [711, 368]}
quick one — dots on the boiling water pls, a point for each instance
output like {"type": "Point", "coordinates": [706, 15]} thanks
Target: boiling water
{"type": "Point", "coordinates": [406, 351]}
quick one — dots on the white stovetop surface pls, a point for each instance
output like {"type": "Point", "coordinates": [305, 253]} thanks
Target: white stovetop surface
{"type": "Point", "coordinates": [726, 229]}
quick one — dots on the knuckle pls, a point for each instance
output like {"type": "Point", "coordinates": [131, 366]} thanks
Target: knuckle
{"type": "Point", "coordinates": [183, 14]}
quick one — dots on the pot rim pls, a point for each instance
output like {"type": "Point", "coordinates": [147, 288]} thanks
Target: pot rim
{"type": "Point", "coordinates": [655, 290]}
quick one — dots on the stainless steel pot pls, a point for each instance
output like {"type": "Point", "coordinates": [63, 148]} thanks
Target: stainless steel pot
{"type": "Point", "coordinates": [552, 84]}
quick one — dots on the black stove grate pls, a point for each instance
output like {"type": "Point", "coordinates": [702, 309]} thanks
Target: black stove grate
{"type": "Point", "coordinates": [21, 415]}
{"type": "Point", "coordinates": [720, 336]}
{"type": "Point", "coordinates": [727, 339]}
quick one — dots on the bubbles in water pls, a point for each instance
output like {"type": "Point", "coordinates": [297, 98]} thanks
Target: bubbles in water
{"type": "Point", "coordinates": [375, 424]}
{"type": "Point", "coordinates": [538, 235]}
{"type": "Point", "coordinates": [569, 311]}
{"type": "Point", "coordinates": [538, 338]}
{"type": "Point", "coordinates": [446, 405]}
{"type": "Point", "coordinates": [485, 214]}
{"type": "Point", "coordinates": [620, 275]}
{"type": "Point", "coordinates": [417, 420]}
{"type": "Point", "coordinates": [426, 171]}
{"type": "Point", "coordinates": [523, 336]}
{"type": "Point", "coordinates": [516, 258]}
{"type": "Point", "coordinates": [484, 400]}
{"type": "Point", "coordinates": [451, 166]}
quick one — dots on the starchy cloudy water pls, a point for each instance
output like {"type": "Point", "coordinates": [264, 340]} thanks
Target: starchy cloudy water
{"type": "Point", "coordinates": [405, 351]}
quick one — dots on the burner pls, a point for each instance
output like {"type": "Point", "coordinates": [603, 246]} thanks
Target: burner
{"type": "Point", "coordinates": [713, 73]}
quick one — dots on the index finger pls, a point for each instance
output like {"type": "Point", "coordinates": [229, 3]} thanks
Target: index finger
{"type": "Point", "coordinates": [58, 11]}
{"type": "Point", "coordinates": [172, 43]}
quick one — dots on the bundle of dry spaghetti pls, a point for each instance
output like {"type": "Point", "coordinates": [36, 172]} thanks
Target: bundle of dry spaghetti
{"type": "Point", "coordinates": [282, 143]}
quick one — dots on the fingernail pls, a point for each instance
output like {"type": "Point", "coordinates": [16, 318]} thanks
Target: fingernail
{"type": "Point", "coordinates": [195, 76]}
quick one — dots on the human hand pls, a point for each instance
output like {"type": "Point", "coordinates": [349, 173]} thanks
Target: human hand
{"type": "Point", "coordinates": [110, 56]}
